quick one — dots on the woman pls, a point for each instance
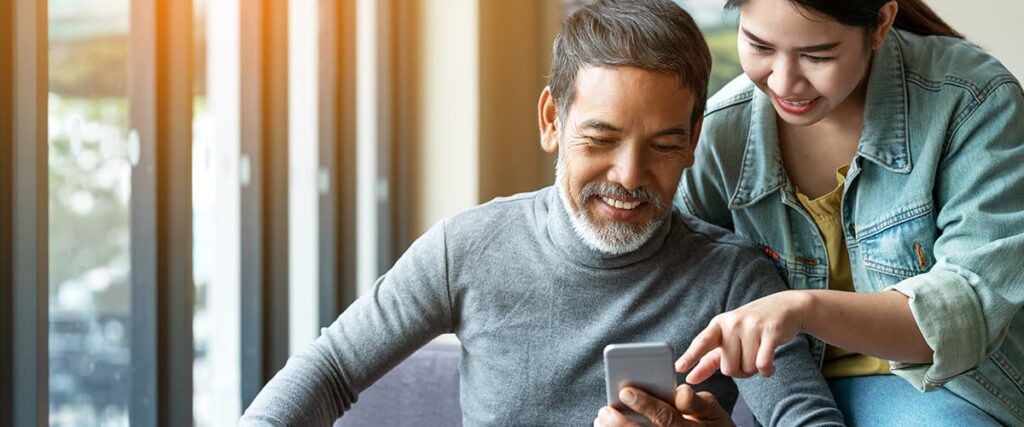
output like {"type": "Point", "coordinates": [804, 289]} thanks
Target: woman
{"type": "Point", "coordinates": [875, 156]}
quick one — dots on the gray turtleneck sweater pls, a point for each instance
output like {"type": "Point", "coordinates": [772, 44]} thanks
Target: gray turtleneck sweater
{"type": "Point", "coordinates": [533, 307]}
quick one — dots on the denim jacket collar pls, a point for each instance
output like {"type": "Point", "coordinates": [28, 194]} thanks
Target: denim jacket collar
{"type": "Point", "coordinates": [884, 138]}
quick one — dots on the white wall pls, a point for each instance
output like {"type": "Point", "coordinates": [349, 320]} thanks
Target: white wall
{"type": "Point", "coordinates": [995, 25]}
{"type": "Point", "coordinates": [303, 168]}
{"type": "Point", "coordinates": [367, 190]}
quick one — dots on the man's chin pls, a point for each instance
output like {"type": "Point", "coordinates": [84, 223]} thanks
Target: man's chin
{"type": "Point", "coordinates": [616, 237]}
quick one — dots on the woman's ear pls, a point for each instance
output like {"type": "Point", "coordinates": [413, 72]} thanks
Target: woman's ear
{"type": "Point", "coordinates": [886, 18]}
{"type": "Point", "coordinates": [547, 115]}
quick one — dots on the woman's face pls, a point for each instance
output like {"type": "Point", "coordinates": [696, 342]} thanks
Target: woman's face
{"type": "Point", "coordinates": [806, 62]}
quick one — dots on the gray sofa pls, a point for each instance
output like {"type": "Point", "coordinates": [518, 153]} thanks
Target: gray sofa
{"type": "Point", "coordinates": [424, 391]}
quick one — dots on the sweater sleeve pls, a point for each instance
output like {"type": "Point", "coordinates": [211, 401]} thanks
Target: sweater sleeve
{"type": "Point", "coordinates": [406, 308]}
{"type": "Point", "coordinates": [796, 394]}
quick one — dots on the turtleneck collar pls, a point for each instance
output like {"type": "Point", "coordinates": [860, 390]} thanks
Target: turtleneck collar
{"type": "Point", "coordinates": [554, 219]}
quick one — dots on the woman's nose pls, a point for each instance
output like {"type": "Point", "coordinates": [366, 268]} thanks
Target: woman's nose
{"type": "Point", "coordinates": [785, 77]}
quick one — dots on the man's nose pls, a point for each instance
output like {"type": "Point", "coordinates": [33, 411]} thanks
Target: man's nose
{"type": "Point", "coordinates": [629, 168]}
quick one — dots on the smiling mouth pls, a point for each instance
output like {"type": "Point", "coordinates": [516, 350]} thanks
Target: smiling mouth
{"type": "Point", "coordinates": [796, 105]}
{"type": "Point", "coordinates": [620, 204]}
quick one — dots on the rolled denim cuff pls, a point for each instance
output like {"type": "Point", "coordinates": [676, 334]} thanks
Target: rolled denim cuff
{"type": "Point", "coordinates": [949, 315]}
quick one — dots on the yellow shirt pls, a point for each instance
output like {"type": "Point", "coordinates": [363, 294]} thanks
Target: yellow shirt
{"type": "Point", "coordinates": [825, 211]}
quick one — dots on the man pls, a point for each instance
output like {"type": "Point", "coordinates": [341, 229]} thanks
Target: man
{"type": "Point", "coordinates": [535, 285]}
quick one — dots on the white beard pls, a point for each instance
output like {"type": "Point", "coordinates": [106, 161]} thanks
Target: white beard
{"type": "Point", "coordinates": [614, 238]}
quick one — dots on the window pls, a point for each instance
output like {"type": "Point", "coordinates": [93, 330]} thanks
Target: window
{"type": "Point", "coordinates": [90, 155]}
{"type": "Point", "coordinates": [719, 27]}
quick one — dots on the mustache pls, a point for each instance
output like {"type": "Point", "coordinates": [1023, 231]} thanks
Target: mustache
{"type": "Point", "coordinates": [617, 191]}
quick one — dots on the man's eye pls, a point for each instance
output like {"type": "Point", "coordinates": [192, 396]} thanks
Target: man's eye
{"type": "Point", "coordinates": [666, 147]}
{"type": "Point", "coordinates": [761, 49]}
{"type": "Point", "coordinates": [598, 141]}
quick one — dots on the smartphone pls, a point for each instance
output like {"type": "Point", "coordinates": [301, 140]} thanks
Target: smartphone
{"type": "Point", "coordinates": [646, 366]}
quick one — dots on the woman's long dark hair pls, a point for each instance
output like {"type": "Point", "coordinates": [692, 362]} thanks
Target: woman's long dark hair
{"type": "Point", "coordinates": [913, 15]}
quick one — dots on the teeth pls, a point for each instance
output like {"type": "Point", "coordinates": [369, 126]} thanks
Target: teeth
{"type": "Point", "coordinates": [797, 104]}
{"type": "Point", "coordinates": [619, 204]}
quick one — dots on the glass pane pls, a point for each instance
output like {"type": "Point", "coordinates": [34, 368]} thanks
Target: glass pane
{"type": "Point", "coordinates": [90, 189]}
{"type": "Point", "coordinates": [719, 28]}
{"type": "Point", "coordinates": [215, 214]}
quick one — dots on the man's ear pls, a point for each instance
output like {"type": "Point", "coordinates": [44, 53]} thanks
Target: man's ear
{"type": "Point", "coordinates": [886, 18]}
{"type": "Point", "coordinates": [547, 115]}
{"type": "Point", "coordinates": [694, 139]}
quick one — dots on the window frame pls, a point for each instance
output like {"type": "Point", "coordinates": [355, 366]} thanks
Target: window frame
{"type": "Point", "coordinates": [24, 370]}
{"type": "Point", "coordinates": [162, 293]}
{"type": "Point", "coordinates": [264, 195]}
{"type": "Point", "coordinates": [397, 61]}
{"type": "Point", "coordinates": [337, 157]}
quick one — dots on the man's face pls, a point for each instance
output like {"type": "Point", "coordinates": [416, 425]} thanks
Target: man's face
{"type": "Point", "coordinates": [621, 150]}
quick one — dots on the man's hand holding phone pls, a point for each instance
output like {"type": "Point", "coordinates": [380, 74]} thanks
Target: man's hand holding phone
{"type": "Point", "coordinates": [688, 409]}
{"type": "Point", "coordinates": [642, 391]}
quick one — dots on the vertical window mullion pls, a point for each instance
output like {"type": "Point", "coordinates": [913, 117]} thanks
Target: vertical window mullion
{"type": "Point", "coordinates": [275, 201]}
{"type": "Point", "coordinates": [396, 63]}
{"type": "Point", "coordinates": [23, 214]}
{"type": "Point", "coordinates": [264, 193]}
{"type": "Point", "coordinates": [160, 92]}
{"type": "Point", "coordinates": [386, 88]}
{"type": "Point", "coordinates": [404, 141]}
{"type": "Point", "coordinates": [251, 171]}
{"type": "Point", "coordinates": [6, 206]}
{"type": "Point", "coordinates": [337, 148]}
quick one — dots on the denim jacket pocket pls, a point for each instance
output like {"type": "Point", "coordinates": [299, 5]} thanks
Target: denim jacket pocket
{"type": "Point", "coordinates": [899, 245]}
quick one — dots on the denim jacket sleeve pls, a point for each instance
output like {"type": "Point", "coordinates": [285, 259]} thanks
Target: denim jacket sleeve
{"type": "Point", "coordinates": [965, 303]}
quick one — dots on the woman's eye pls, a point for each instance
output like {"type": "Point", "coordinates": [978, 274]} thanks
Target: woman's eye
{"type": "Point", "coordinates": [817, 59]}
{"type": "Point", "coordinates": [760, 48]}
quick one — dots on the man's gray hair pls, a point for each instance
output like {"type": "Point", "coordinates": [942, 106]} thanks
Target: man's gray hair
{"type": "Point", "coordinates": [654, 35]}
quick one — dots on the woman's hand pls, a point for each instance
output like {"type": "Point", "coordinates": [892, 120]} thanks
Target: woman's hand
{"type": "Point", "coordinates": [690, 409]}
{"type": "Point", "coordinates": [742, 342]}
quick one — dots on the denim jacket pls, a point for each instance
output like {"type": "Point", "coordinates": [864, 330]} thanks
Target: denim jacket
{"type": "Point", "coordinates": [933, 206]}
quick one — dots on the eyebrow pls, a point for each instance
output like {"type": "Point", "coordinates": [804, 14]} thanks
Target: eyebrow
{"type": "Point", "coordinates": [806, 49]}
{"type": "Point", "coordinates": [595, 124]}
{"type": "Point", "coordinates": [601, 125]}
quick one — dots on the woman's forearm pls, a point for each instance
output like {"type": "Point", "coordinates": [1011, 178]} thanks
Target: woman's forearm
{"type": "Point", "coordinates": [879, 324]}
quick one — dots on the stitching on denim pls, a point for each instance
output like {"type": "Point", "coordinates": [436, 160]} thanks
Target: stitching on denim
{"type": "Point", "coordinates": [980, 99]}
{"type": "Point", "coordinates": [742, 190]}
{"type": "Point", "coordinates": [809, 271]}
{"type": "Point", "coordinates": [1008, 368]}
{"type": "Point", "coordinates": [894, 220]}
{"type": "Point", "coordinates": [991, 388]}
{"type": "Point", "coordinates": [740, 98]}
{"type": "Point", "coordinates": [890, 270]}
